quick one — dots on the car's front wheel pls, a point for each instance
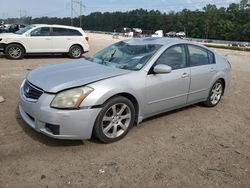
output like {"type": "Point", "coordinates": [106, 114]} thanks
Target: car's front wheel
{"type": "Point", "coordinates": [215, 94]}
{"type": "Point", "coordinates": [114, 120]}
{"type": "Point", "coordinates": [14, 51]}
{"type": "Point", "coordinates": [75, 52]}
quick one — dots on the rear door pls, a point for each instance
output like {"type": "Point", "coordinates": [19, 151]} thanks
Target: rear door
{"type": "Point", "coordinates": [39, 40]}
{"type": "Point", "coordinates": [63, 38]}
{"type": "Point", "coordinates": [203, 69]}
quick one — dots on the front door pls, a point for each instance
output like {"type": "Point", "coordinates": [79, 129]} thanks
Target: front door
{"type": "Point", "coordinates": [39, 40]}
{"type": "Point", "coordinates": [170, 90]}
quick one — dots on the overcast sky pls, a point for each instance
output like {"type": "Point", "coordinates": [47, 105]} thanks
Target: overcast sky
{"type": "Point", "coordinates": [62, 8]}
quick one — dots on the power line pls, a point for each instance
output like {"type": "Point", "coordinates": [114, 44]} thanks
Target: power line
{"type": "Point", "coordinates": [171, 6]}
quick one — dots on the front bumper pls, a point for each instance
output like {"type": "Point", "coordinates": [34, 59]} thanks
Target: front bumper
{"type": "Point", "coordinates": [73, 124]}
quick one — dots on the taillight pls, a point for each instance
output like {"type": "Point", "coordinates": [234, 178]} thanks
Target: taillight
{"type": "Point", "coordinates": [87, 39]}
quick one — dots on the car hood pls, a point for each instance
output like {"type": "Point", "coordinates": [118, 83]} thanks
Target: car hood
{"type": "Point", "coordinates": [7, 35]}
{"type": "Point", "coordinates": [61, 76]}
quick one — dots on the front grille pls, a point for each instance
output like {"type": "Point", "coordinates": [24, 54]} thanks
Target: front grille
{"type": "Point", "coordinates": [31, 92]}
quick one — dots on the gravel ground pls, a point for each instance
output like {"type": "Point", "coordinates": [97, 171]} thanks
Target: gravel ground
{"type": "Point", "coordinates": [191, 147]}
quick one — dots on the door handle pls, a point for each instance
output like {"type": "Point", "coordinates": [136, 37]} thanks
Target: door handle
{"type": "Point", "coordinates": [212, 70]}
{"type": "Point", "coordinates": [47, 39]}
{"type": "Point", "coordinates": [185, 75]}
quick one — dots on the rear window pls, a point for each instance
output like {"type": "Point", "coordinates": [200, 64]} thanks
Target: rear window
{"type": "Point", "coordinates": [65, 32]}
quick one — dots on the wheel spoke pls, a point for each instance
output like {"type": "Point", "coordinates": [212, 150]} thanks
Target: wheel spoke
{"type": "Point", "coordinates": [124, 127]}
{"type": "Point", "coordinates": [127, 116]}
{"type": "Point", "coordinates": [218, 87]}
{"type": "Point", "coordinates": [122, 109]}
{"type": "Point", "coordinates": [107, 118]}
{"type": "Point", "coordinates": [114, 110]}
{"type": "Point", "coordinates": [106, 129]}
{"type": "Point", "coordinates": [114, 133]}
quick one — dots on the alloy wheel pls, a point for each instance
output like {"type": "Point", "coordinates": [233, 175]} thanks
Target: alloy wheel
{"type": "Point", "coordinates": [15, 52]}
{"type": "Point", "coordinates": [116, 120]}
{"type": "Point", "coordinates": [216, 93]}
{"type": "Point", "coordinates": [76, 52]}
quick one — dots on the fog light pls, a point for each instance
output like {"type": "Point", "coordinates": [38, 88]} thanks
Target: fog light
{"type": "Point", "coordinates": [54, 129]}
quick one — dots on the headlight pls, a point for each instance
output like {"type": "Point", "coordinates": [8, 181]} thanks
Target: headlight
{"type": "Point", "coordinates": [71, 98]}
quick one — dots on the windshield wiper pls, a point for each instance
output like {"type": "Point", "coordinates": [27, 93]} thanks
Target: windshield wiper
{"type": "Point", "coordinates": [112, 55]}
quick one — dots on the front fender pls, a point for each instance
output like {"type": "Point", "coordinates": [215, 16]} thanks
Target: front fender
{"type": "Point", "coordinates": [7, 42]}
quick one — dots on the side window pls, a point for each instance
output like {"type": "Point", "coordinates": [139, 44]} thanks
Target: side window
{"type": "Point", "coordinates": [175, 57]}
{"type": "Point", "coordinates": [73, 32]}
{"type": "Point", "coordinates": [198, 56]}
{"type": "Point", "coordinates": [41, 31]}
{"type": "Point", "coordinates": [60, 31]}
{"type": "Point", "coordinates": [211, 57]}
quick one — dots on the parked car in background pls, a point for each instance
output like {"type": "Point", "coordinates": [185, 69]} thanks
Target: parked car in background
{"type": "Point", "coordinates": [44, 39]}
{"type": "Point", "coordinates": [158, 33]}
{"type": "Point", "coordinates": [181, 34]}
{"type": "Point", "coordinates": [11, 28]}
{"type": "Point", "coordinates": [5, 28]}
{"type": "Point", "coordinates": [171, 34]}
{"type": "Point", "coordinates": [121, 85]}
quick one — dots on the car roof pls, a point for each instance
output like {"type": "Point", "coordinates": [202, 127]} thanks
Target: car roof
{"type": "Point", "coordinates": [155, 40]}
{"type": "Point", "coordinates": [164, 41]}
{"type": "Point", "coordinates": [53, 25]}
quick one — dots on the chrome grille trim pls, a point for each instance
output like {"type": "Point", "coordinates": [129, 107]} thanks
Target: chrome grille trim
{"type": "Point", "coordinates": [31, 92]}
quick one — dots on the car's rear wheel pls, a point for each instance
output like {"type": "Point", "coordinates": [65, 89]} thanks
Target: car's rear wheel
{"type": "Point", "coordinates": [75, 52]}
{"type": "Point", "coordinates": [215, 94]}
{"type": "Point", "coordinates": [114, 120]}
{"type": "Point", "coordinates": [14, 51]}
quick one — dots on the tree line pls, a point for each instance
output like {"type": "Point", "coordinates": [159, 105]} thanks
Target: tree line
{"type": "Point", "coordinates": [211, 22]}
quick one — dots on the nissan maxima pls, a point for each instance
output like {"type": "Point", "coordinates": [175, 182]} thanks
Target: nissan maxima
{"type": "Point", "coordinates": [119, 86]}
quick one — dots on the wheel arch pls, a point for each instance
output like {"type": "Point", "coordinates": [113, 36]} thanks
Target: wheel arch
{"type": "Point", "coordinates": [17, 43]}
{"type": "Point", "coordinates": [130, 97]}
{"type": "Point", "coordinates": [224, 84]}
{"type": "Point", "coordinates": [76, 44]}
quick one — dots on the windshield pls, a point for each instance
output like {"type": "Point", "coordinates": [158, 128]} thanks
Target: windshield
{"type": "Point", "coordinates": [125, 56]}
{"type": "Point", "coordinates": [23, 30]}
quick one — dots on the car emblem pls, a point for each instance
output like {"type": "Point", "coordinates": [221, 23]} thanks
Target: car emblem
{"type": "Point", "coordinates": [27, 90]}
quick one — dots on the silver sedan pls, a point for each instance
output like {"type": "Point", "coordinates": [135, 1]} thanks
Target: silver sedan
{"type": "Point", "coordinates": [120, 86]}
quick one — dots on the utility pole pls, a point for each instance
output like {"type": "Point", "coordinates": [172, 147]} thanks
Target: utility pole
{"type": "Point", "coordinates": [81, 14]}
{"type": "Point", "coordinates": [78, 2]}
{"type": "Point", "coordinates": [72, 12]}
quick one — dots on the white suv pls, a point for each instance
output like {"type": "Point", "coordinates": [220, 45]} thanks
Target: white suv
{"type": "Point", "coordinates": [44, 39]}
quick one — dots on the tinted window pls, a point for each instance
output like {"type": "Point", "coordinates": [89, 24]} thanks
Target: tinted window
{"type": "Point", "coordinates": [175, 57]}
{"type": "Point", "coordinates": [65, 32]}
{"type": "Point", "coordinates": [73, 32]}
{"type": "Point", "coordinates": [198, 56]}
{"type": "Point", "coordinates": [41, 31]}
{"type": "Point", "coordinates": [211, 57]}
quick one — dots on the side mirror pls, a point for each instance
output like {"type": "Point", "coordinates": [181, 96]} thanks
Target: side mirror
{"type": "Point", "coordinates": [162, 69]}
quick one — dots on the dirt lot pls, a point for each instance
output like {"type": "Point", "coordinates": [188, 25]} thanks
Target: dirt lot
{"type": "Point", "coordinates": [192, 147]}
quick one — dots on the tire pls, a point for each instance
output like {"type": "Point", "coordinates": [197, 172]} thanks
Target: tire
{"type": "Point", "coordinates": [115, 120]}
{"type": "Point", "coordinates": [215, 94]}
{"type": "Point", "coordinates": [14, 51]}
{"type": "Point", "coordinates": [75, 52]}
